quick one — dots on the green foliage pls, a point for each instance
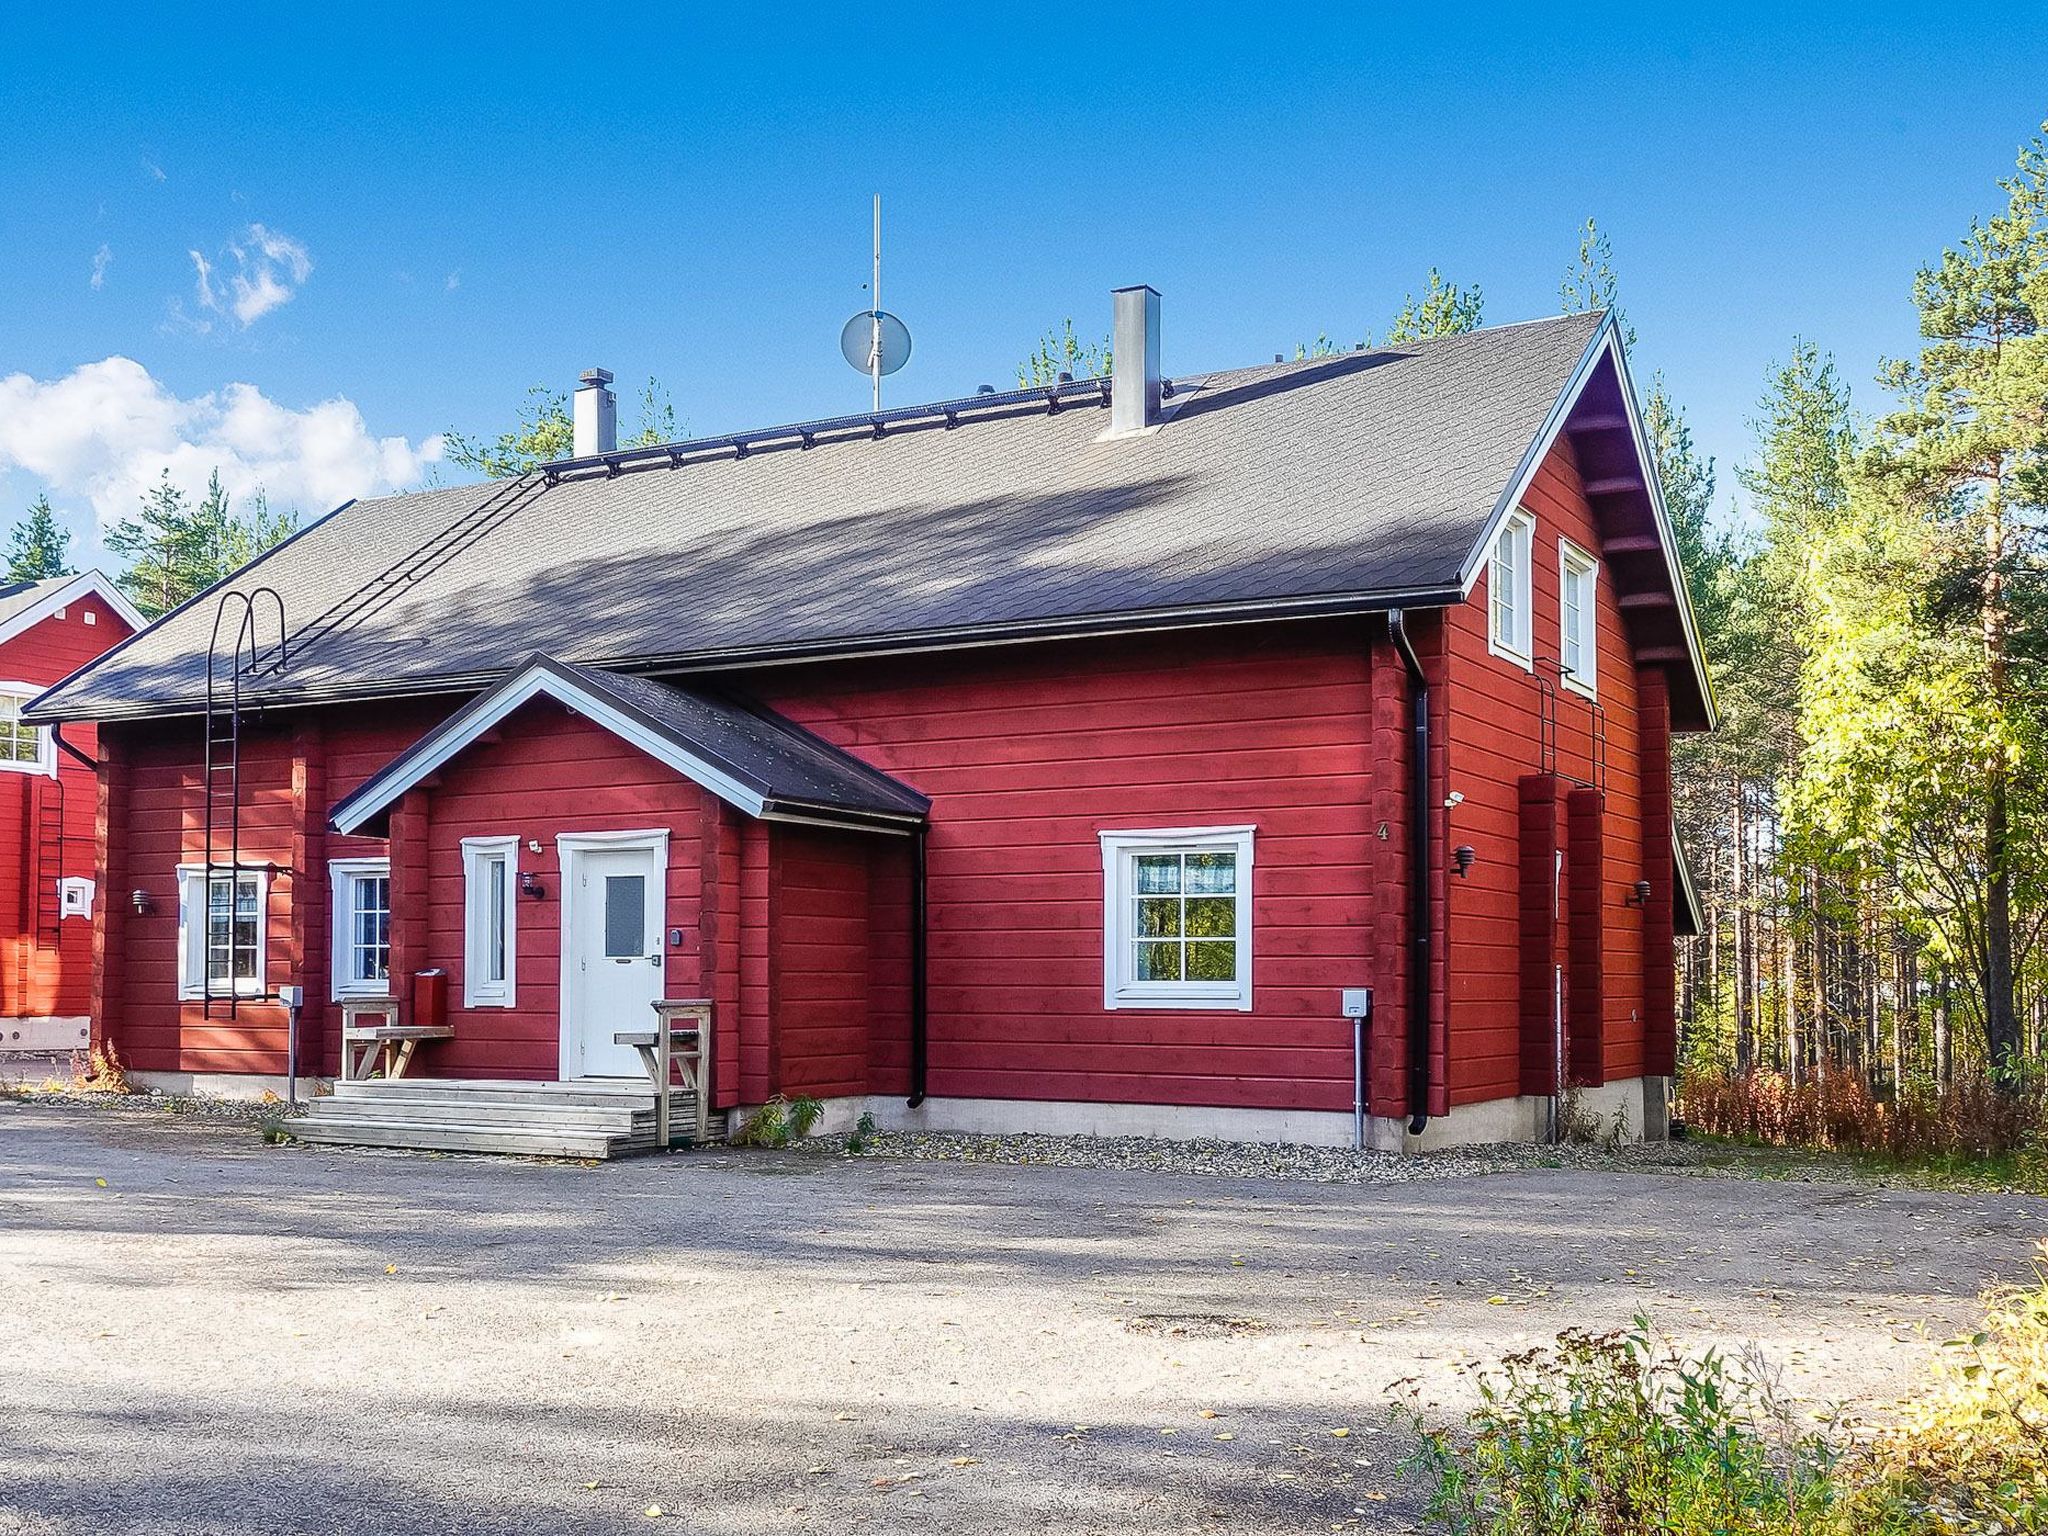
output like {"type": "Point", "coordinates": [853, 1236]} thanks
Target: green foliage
{"type": "Point", "coordinates": [862, 1134]}
{"type": "Point", "coordinates": [1444, 309]}
{"type": "Point", "coordinates": [39, 547]}
{"type": "Point", "coordinates": [1322, 346]}
{"type": "Point", "coordinates": [1590, 282]}
{"type": "Point", "coordinates": [779, 1122]}
{"type": "Point", "coordinates": [1061, 351]}
{"type": "Point", "coordinates": [543, 429]}
{"type": "Point", "coordinates": [175, 550]}
{"type": "Point", "coordinates": [1619, 1435]}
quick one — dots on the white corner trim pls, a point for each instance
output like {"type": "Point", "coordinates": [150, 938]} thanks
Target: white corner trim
{"type": "Point", "coordinates": [460, 731]}
{"type": "Point", "coordinates": [340, 938]}
{"type": "Point", "coordinates": [1119, 990]}
{"type": "Point", "coordinates": [477, 993]}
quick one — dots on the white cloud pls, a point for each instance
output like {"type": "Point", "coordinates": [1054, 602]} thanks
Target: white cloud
{"type": "Point", "coordinates": [270, 266]}
{"type": "Point", "coordinates": [106, 431]}
{"type": "Point", "coordinates": [453, 282]}
{"type": "Point", "coordinates": [102, 259]}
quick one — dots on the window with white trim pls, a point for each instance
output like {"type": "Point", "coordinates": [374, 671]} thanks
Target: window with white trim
{"type": "Point", "coordinates": [222, 938]}
{"type": "Point", "coordinates": [1177, 918]}
{"type": "Point", "coordinates": [1508, 594]}
{"type": "Point", "coordinates": [1578, 583]}
{"type": "Point", "coordinates": [490, 913]}
{"type": "Point", "coordinates": [361, 904]}
{"type": "Point", "coordinates": [23, 748]}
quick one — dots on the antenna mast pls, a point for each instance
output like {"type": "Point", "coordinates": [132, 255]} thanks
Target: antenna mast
{"type": "Point", "coordinates": [875, 342]}
{"type": "Point", "coordinates": [875, 295]}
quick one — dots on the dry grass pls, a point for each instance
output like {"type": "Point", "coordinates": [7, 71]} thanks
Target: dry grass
{"type": "Point", "coordinates": [1841, 1113]}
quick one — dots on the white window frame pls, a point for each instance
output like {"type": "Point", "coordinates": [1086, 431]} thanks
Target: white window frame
{"type": "Point", "coordinates": [477, 854]}
{"type": "Point", "coordinates": [46, 745]}
{"type": "Point", "coordinates": [1576, 565]}
{"type": "Point", "coordinates": [192, 936]}
{"type": "Point", "coordinates": [1518, 534]}
{"type": "Point", "coordinates": [1120, 988]}
{"type": "Point", "coordinates": [341, 877]}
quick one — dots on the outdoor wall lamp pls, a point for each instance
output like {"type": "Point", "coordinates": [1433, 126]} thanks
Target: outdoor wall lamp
{"type": "Point", "coordinates": [143, 905]}
{"type": "Point", "coordinates": [1462, 856]}
{"type": "Point", "coordinates": [1639, 896]}
{"type": "Point", "coordinates": [529, 884]}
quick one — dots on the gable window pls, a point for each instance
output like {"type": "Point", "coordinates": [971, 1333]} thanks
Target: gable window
{"type": "Point", "coordinates": [1578, 580]}
{"type": "Point", "coordinates": [362, 926]}
{"type": "Point", "coordinates": [490, 892]}
{"type": "Point", "coordinates": [1177, 918]}
{"type": "Point", "coordinates": [222, 943]}
{"type": "Point", "coordinates": [23, 748]}
{"type": "Point", "coordinates": [1508, 589]}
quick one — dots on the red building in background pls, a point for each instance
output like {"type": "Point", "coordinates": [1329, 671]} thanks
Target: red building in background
{"type": "Point", "coordinates": [48, 808]}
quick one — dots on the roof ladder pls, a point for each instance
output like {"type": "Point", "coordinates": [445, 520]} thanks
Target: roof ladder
{"type": "Point", "coordinates": [250, 653]}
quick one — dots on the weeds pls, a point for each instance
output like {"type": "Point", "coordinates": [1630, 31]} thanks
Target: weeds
{"type": "Point", "coordinates": [1973, 1121]}
{"type": "Point", "coordinates": [779, 1122]}
{"type": "Point", "coordinates": [99, 1070]}
{"type": "Point", "coordinates": [1620, 1434]}
{"type": "Point", "coordinates": [863, 1133]}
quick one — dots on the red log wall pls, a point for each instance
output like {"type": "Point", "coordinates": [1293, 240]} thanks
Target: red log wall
{"type": "Point", "coordinates": [39, 981]}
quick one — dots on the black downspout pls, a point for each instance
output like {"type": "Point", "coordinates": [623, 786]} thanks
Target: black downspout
{"type": "Point", "coordinates": [1418, 883]}
{"type": "Point", "coordinates": [917, 949]}
{"type": "Point", "coordinates": [57, 735]}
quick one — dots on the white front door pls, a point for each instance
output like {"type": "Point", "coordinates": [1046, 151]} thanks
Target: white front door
{"type": "Point", "coordinates": [612, 959]}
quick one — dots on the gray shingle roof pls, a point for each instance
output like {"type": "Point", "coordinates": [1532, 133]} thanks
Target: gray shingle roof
{"type": "Point", "coordinates": [1355, 480]}
{"type": "Point", "coordinates": [759, 760]}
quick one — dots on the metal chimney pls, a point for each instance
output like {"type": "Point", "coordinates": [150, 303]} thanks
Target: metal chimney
{"type": "Point", "coordinates": [597, 414]}
{"type": "Point", "coordinates": [1134, 355]}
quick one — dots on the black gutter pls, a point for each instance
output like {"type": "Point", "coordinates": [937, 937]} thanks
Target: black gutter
{"type": "Point", "coordinates": [57, 735]}
{"type": "Point", "coordinates": [917, 969]}
{"type": "Point", "coordinates": [694, 663]}
{"type": "Point", "coordinates": [1418, 882]}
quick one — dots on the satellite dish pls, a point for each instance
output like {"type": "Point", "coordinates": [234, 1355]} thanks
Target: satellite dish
{"type": "Point", "coordinates": [874, 329]}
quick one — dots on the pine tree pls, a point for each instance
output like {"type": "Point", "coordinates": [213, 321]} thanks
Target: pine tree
{"type": "Point", "coordinates": [1591, 284]}
{"type": "Point", "coordinates": [175, 550]}
{"type": "Point", "coordinates": [1060, 351]}
{"type": "Point", "coordinates": [39, 547]}
{"type": "Point", "coordinates": [543, 429]}
{"type": "Point", "coordinates": [1967, 450]}
{"type": "Point", "coordinates": [1444, 309]}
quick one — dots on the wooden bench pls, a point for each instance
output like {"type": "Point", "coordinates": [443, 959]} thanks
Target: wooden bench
{"type": "Point", "coordinates": [386, 1043]}
{"type": "Point", "coordinates": [680, 1042]}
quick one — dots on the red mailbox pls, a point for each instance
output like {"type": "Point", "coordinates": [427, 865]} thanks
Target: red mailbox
{"type": "Point", "coordinates": [430, 998]}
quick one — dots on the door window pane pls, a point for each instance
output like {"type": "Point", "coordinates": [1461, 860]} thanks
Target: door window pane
{"type": "Point", "coordinates": [625, 915]}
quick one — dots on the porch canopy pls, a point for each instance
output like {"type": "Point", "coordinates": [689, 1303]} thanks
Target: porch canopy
{"type": "Point", "coordinates": [754, 759]}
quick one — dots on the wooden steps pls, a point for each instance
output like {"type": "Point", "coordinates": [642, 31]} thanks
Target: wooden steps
{"type": "Point", "coordinates": [591, 1118]}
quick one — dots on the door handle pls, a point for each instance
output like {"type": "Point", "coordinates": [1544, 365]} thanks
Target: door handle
{"type": "Point", "coordinates": [655, 960]}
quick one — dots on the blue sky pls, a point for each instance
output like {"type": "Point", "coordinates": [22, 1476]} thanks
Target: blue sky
{"type": "Point", "coordinates": [319, 238]}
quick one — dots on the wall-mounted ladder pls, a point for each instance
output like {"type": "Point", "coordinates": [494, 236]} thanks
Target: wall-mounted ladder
{"type": "Point", "coordinates": [49, 856]}
{"type": "Point", "coordinates": [251, 653]}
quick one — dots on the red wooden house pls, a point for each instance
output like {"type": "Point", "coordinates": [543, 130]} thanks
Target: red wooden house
{"type": "Point", "coordinates": [47, 803]}
{"type": "Point", "coordinates": [1059, 758]}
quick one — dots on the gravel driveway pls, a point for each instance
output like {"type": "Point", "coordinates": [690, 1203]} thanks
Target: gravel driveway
{"type": "Point", "coordinates": [229, 1337]}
